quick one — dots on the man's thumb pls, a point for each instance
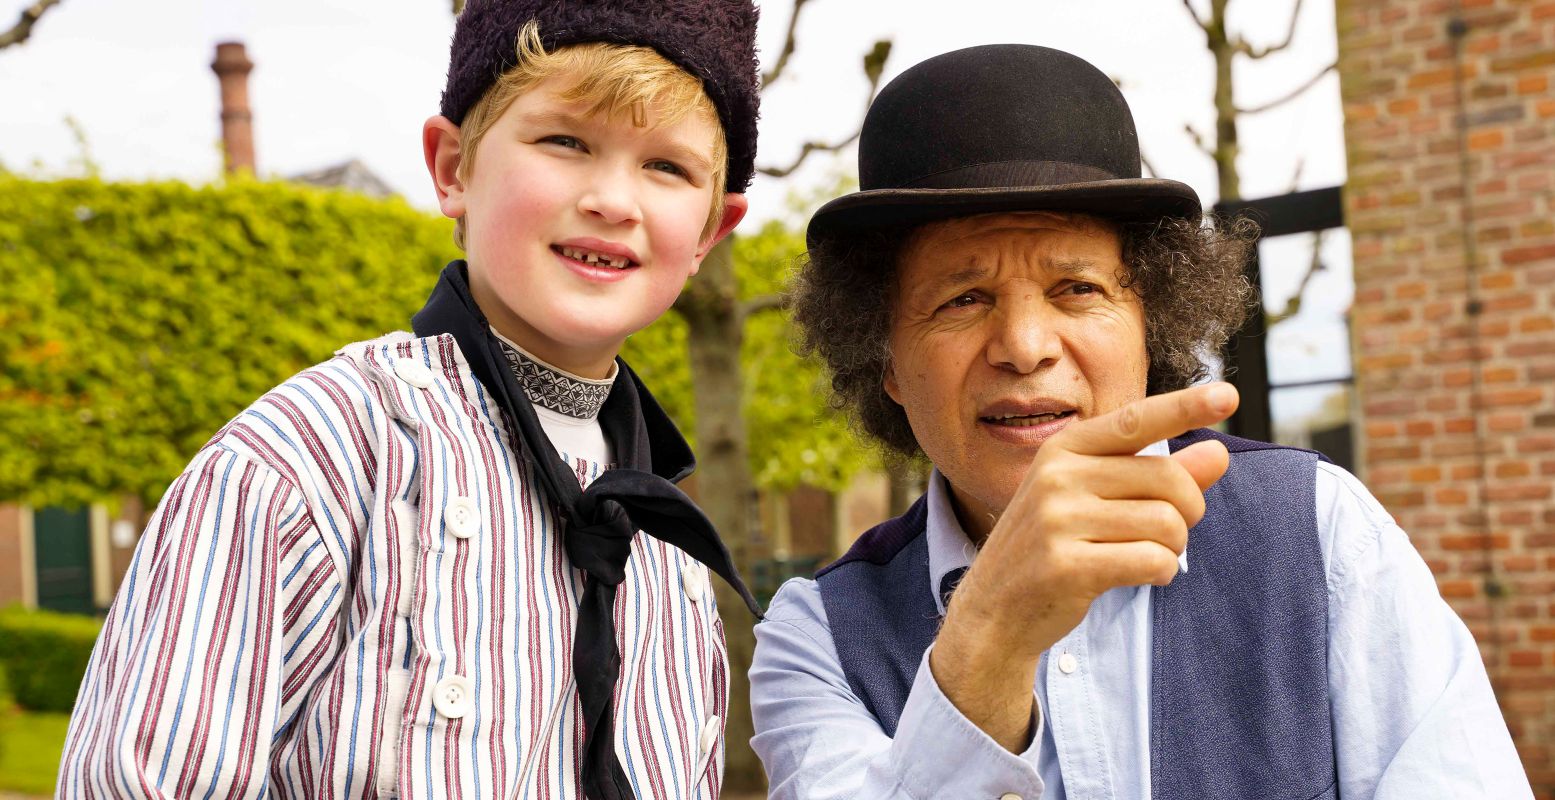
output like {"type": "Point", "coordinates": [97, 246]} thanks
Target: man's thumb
{"type": "Point", "coordinates": [1205, 461]}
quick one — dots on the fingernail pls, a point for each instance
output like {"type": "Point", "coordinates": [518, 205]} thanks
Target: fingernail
{"type": "Point", "coordinates": [1221, 398]}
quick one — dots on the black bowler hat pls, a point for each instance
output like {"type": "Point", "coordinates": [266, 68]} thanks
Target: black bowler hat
{"type": "Point", "coordinates": [1004, 127]}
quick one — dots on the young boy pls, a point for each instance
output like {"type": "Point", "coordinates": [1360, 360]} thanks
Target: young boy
{"type": "Point", "coordinates": [386, 577]}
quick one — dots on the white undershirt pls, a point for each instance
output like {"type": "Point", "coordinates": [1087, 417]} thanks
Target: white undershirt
{"type": "Point", "coordinates": [575, 438]}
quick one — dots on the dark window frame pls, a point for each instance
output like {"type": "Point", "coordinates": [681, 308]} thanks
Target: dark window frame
{"type": "Point", "coordinates": [1246, 358]}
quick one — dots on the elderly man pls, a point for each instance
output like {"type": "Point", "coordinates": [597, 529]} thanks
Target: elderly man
{"type": "Point", "coordinates": [1007, 297]}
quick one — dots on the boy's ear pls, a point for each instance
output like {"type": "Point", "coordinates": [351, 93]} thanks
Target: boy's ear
{"type": "Point", "coordinates": [735, 206]}
{"type": "Point", "coordinates": [440, 145]}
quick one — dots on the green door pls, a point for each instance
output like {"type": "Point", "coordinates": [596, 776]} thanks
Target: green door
{"type": "Point", "coordinates": [63, 543]}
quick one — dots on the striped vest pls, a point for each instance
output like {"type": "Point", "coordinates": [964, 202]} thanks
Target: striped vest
{"type": "Point", "coordinates": [1239, 689]}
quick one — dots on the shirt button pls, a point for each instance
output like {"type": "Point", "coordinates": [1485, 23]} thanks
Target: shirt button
{"type": "Point", "coordinates": [413, 372]}
{"type": "Point", "coordinates": [693, 578]}
{"type": "Point", "coordinates": [461, 517]}
{"type": "Point", "coordinates": [710, 731]}
{"type": "Point", "coordinates": [1009, 796]}
{"type": "Point", "coordinates": [1067, 663]}
{"type": "Point", "coordinates": [451, 696]}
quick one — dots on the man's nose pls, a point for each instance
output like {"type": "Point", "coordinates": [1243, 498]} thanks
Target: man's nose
{"type": "Point", "coordinates": [611, 196]}
{"type": "Point", "coordinates": [1025, 335]}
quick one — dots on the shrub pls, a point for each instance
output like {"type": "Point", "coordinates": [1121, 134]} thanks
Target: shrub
{"type": "Point", "coordinates": [140, 317]}
{"type": "Point", "coordinates": [44, 655]}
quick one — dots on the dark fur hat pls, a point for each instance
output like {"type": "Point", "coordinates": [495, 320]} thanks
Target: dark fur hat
{"type": "Point", "coordinates": [714, 40]}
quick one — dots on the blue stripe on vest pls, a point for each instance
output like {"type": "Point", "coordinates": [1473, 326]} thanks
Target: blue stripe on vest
{"type": "Point", "coordinates": [1239, 676]}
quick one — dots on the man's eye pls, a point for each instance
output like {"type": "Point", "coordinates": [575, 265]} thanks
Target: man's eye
{"type": "Point", "coordinates": [962, 301]}
{"type": "Point", "coordinates": [1083, 288]}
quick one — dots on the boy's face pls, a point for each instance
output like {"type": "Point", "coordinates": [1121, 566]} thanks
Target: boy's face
{"type": "Point", "coordinates": [583, 229]}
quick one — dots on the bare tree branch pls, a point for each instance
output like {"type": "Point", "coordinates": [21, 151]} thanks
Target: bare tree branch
{"type": "Point", "coordinates": [1293, 305]}
{"type": "Point", "coordinates": [23, 27]}
{"type": "Point", "coordinates": [766, 302]}
{"type": "Point", "coordinates": [1197, 20]}
{"type": "Point", "coordinates": [1198, 140]}
{"type": "Point", "coordinates": [789, 43]}
{"type": "Point", "coordinates": [1291, 95]}
{"type": "Point", "coordinates": [804, 153]}
{"type": "Point", "coordinates": [874, 67]}
{"type": "Point", "coordinates": [1150, 171]}
{"type": "Point", "coordinates": [1295, 175]}
{"type": "Point", "coordinates": [1259, 52]}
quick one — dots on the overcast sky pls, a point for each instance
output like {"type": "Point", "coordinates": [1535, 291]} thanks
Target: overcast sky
{"type": "Point", "coordinates": [342, 79]}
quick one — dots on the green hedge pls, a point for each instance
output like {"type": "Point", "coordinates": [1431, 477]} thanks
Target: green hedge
{"type": "Point", "coordinates": [44, 655]}
{"type": "Point", "coordinates": [139, 317]}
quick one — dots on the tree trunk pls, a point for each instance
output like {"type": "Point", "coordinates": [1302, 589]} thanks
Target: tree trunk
{"type": "Point", "coordinates": [1226, 146]}
{"type": "Point", "coordinates": [725, 490]}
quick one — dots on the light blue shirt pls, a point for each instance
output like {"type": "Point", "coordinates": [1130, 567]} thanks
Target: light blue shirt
{"type": "Point", "coordinates": [1413, 713]}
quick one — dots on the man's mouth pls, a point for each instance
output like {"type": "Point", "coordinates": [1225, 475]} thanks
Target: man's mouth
{"type": "Point", "coordinates": [593, 258]}
{"type": "Point", "coordinates": [1026, 420]}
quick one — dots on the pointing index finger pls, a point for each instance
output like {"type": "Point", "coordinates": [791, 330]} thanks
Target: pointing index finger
{"type": "Point", "coordinates": [1129, 429]}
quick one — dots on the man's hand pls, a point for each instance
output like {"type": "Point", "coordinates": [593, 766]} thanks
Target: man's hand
{"type": "Point", "coordinates": [1089, 516]}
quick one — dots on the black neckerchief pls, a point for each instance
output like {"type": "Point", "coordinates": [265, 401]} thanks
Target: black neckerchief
{"type": "Point", "coordinates": [600, 522]}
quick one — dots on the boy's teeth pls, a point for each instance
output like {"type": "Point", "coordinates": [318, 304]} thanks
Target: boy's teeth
{"type": "Point", "coordinates": [591, 257]}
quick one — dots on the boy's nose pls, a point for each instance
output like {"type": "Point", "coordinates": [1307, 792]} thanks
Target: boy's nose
{"type": "Point", "coordinates": [612, 199]}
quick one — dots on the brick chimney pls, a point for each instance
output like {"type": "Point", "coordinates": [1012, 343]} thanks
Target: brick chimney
{"type": "Point", "coordinates": [237, 122]}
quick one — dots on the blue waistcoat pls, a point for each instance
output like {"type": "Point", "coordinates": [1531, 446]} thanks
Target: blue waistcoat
{"type": "Point", "coordinates": [1239, 668]}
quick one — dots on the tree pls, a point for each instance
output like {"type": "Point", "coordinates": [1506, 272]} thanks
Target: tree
{"type": "Point", "coordinates": [717, 317]}
{"type": "Point", "coordinates": [1226, 46]}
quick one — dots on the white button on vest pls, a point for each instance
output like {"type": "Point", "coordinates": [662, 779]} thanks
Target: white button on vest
{"type": "Point", "coordinates": [451, 696]}
{"type": "Point", "coordinates": [1067, 663]}
{"type": "Point", "coordinates": [710, 730]}
{"type": "Point", "coordinates": [693, 578]}
{"type": "Point", "coordinates": [413, 372]}
{"type": "Point", "coordinates": [461, 517]}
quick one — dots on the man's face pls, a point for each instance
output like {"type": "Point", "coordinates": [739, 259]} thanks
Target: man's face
{"type": "Point", "coordinates": [1005, 329]}
{"type": "Point", "coordinates": [582, 229]}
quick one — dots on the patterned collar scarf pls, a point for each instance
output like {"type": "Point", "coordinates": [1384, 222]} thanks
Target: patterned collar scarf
{"type": "Point", "coordinates": [553, 388]}
{"type": "Point", "coordinates": [599, 522]}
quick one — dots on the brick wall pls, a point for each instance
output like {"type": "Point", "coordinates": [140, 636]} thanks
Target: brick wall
{"type": "Point", "coordinates": [11, 554]}
{"type": "Point", "coordinates": [1458, 407]}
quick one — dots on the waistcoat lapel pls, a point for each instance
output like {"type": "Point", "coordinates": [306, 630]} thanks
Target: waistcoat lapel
{"type": "Point", "coordinates": [881, 611]}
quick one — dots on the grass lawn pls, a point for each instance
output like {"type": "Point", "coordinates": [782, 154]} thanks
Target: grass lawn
{"type": "Point", "coordinates": [30, 744]}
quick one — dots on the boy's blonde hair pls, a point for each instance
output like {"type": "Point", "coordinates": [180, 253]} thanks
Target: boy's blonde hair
{"type": "Point", "coordinates": [615, 80]}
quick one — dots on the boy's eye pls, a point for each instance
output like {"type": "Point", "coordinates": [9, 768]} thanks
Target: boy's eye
{"type": "Point", "coordinates": [669, 167]}
{"type": "Point", "coordinates": [571, 142]}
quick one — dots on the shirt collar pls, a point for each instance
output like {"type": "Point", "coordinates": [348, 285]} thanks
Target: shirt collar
{"type": "Point", "coordinates": [949, 546]}
{"type": "Point", "coordinates": [553, 387]}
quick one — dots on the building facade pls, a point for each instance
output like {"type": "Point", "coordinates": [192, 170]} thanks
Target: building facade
{"type": "Point", "coordinates": [1450, 132]}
